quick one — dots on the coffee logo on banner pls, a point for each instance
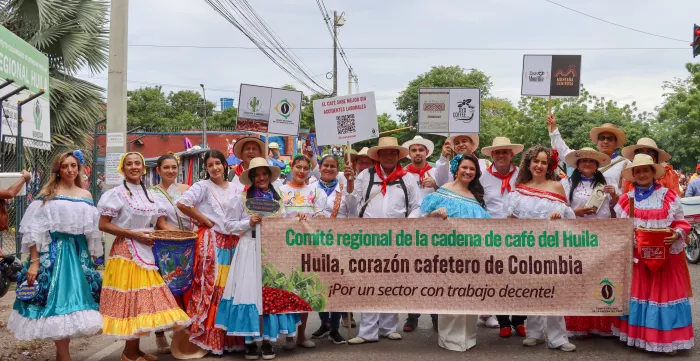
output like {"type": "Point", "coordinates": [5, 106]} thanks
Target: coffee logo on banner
{"type": "Point", "coordinates": [565, 77]}
{"type": "Point", "coordinates": [539, 76]}
{"type": "Point", "coordinates": [606, 292]}
{"type": "Point", "coordinates": [434, 106]}
{"type": "Point", "coordinates": [285, 108]}
{"type": "Point", "coordinates": [465, 111]}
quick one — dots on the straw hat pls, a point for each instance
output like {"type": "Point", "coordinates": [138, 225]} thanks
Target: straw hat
{"type": "Point", "coordinates": [608, 128]}
{"type": "Point", "coordinates": [502, 143]}
{"type": "Point", "coordinates": [361, 153]}
{"type": "Point", "coordinates": [628, 151]}
{"type": "Point", "coordinates": [273, 145]}
{"type": "Point", "coordinates": [473, 137]}
{"type": "Point", "coordinates": [238, 147]}
{"type": "Point", "coordinates": [427, 143]}
{"type": "Point", "coordinates": [183, 349]}
{"type": "Point", "coordinates": [387, 143]}
{"type": "Point", "coordinates": [587, 153]}
{"type": "Point", "coordinates": [257, 163]}
{"type": "Point", "coordinates": [641, 160]}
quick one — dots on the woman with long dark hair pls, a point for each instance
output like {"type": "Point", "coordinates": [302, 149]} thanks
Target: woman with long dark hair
{"type": "Point", "coordinates": [205, 203]}
{"type": "Point", "coordinates": [135, 299]}
{"type": "Point", "coordinates": [461, 198]}
{"type": "Point", "coordinates": [65, 220]}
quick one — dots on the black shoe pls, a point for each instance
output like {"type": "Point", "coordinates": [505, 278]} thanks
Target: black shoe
{"type": "Point", "coordinates": [435, 323]}
{"type": "Point", "coordinates": [335, 336]}
{"type": "Point", "coordinates": [251, 351]}
{"type": "Point", "coordinates": [268, 353]}
{"type": "Point", "coordinates": [411, 324]}
{"type": "Point", "coordinates": [322, 331]}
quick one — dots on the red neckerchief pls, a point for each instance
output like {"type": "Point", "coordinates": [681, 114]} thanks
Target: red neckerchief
{"type": "Point", "coordinates": [421, 172]}
{"type": "Point", "coordinates": [505, 179]}
{"type": "Point", "coordinates": [396, 174]}
{"type": "Point", "coordinates": [239, 170]}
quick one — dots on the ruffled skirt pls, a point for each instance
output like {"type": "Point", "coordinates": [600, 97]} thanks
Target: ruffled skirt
{"type": "Point", "coordinates": [589, 325]}
{"type": "Point", "coordinates": [136, 300]}
{"type": "Point", "coordinates": [67, 302]}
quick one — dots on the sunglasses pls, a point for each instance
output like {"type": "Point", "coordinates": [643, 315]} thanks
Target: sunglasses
{"type": "Point", "coordinates": [646, 151]}
{"type": "Point", "coordinates": [609, 138]}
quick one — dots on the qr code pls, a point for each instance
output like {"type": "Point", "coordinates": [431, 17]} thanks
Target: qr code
{"type": "Point", "coordinates": [346, 123]}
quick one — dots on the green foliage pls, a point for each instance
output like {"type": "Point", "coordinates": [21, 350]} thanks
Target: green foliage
{"type": "Point", "coordinates": [307, 286]}
{"type": "Point", "coordinates": [150, 108]}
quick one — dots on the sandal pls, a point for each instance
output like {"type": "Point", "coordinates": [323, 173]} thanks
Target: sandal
{"type": "Point", "coordinates": [163, 345]}
{"type": "Point", "coordinates": [148, 357]}
{"type": "Point", "coordinates": [124, 358]}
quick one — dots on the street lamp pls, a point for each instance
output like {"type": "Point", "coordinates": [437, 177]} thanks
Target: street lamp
{"type": "Point", "coordinates": [204, 125]}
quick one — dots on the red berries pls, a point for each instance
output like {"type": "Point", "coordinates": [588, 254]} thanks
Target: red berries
{"type": "Point", "coordinates": [276, 300]}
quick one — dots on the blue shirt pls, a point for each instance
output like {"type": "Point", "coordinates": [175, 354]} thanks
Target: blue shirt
{"type": "Point", "coordinates": [693, 188]}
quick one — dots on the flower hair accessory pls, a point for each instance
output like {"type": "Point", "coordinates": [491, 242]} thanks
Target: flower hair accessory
{"type": "Point", "coordinates": [454, 163]}
{"type": "Point", "coordinates": [555, 159]}
{"type": "Point", "coordinates": [78, 154]}
{"type": "Point", "coordinates": [177, 159]}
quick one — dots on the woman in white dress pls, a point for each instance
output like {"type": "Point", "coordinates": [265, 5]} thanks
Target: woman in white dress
{"type": "Point", "coordinates": [60, 232]}
{"type": "Point", "coordinates": [539, 196]}
{"type": "Point", "coordinates": [206, 202]}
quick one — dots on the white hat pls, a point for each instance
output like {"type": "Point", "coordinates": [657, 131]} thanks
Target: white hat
{"type": "Point", "coordinates": [641, 160]}
{"type": "Point", "coordinates": [238, 147]}
{"type": "Point", "coordinates": [183, 349]}
{"type": "Point", "coordinates": [257, 163]}
{"type": "Point", "coordinates": [387, 143]}
{"type": "Point", "coordinates": [587, 153]}
{"type": "Point", "coordinates": [273, 145]}
{"type": "Point", "coordinates": [628, 151]}
{"type": "Point", "coordinates": [473, 137]}
{"type": "Point", "coordinates": [362, 153]}
{"type": "Point", "coordinates": [502, 143]}
{"type": "Point", "coordinates": [427, 143]}
{"type": "Point", "coordinates": [608, 128]}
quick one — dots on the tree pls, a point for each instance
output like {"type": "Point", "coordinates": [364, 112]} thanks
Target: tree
{"type": "Point", "coordinates": [73, 34]}
{"type": "Point", "coordinates": [147, 107]}
{"type": "Point", "coordinates": [223, 120]}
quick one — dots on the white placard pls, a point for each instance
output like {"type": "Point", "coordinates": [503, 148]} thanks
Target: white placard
{"type": "Point", "coordinates": [285, 112]}
{"type": "Point", "coordinates": [115, 139]}
{"type": "Point", "coordinates": [7, 180]}
{"type": "Point", "coordinates": [443, 111]}
{"type": "Point", "coordinates": [269, 110]}
{"type": "Point", "coordinates": [464, 110]}
{"type": "Point", "coordinates": [433, 110]}
{"type": "Point", "coordinates": [536, 75]}
{"type": "Point", "coordinates": [350, 118]}
{"type": "Point", "coordinates": [112, 175]}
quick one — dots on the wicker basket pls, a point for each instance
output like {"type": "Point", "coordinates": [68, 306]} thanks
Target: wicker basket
{"type": "Point", "coordinates": [174, 235]}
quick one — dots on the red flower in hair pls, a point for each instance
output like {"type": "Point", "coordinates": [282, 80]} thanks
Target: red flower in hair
{"type": "Point", "coordinates": [555, 159]}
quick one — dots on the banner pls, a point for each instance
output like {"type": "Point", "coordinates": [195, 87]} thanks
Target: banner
{"type": "Point", "coordinates": [551, 75]}
{"type": "Point", "coordinates": [350, 118]}
{"type": "Point", "coordinates": [268, 110]}
{"type": "Point", "coordinates": [454, 266]}
{"type": "Point", "coordinates": [449, 110]}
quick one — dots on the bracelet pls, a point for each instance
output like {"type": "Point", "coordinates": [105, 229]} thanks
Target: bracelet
{"type": "Point", "coordinates": [35, 260]}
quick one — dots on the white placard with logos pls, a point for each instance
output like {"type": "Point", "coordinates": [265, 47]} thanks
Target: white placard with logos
{"type": "Point", "coordinates": [112, 175]}
{"type": "Point", "coordinates": [464, 110]}
{"type": "Point", "coordinates": [269, 110]}
{"type": "Point", "coordinates": [115, 139]}
{"type": "Point", "coordinates": [444, 111]}
{"type": "Point", "coordinates": [349, 118]}
{"type": "Point", "coordinates": [536, 75]}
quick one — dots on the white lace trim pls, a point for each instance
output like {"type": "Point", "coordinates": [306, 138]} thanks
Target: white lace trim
{"type": "Point", "coordinates": [660, 304]}
{"type": "Point", "coordinates": [73, 325]}
{"type": "Point", "coordinates": [531, 207]}
{"type": "Point", "coordinates": [661, 347]}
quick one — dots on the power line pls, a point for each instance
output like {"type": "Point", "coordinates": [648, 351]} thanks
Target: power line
{"type": "Point", "coordinates": [407, 48]}
{"type": "Point", "coordinates": [326, 18]}
{"type": "Point", "coordinates": [615, 24]}
{"type": "Point", "coordinates": [158, 84]}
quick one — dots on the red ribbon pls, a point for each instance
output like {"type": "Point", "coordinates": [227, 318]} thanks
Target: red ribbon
{"type": "Point", "coordinates": [421, 172]}
{"type": "Point", "coordinates": [395, 175]}
{"type": "Point", "coordinates": [505, 179]}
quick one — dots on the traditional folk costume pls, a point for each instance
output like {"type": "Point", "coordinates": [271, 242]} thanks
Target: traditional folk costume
{"type": "Point", "coordinates": [660, 318]}
{"type": "Point", "coordinates": [241, 305]}
{"type": "Point", "coordinates": [586, 325]}
{"type": "Point", "coordinates": [135, 300]}
{"type": "Point", "coordinates": [530, 203]}
{"type": "Point", "coordinates": [455, 332]}
{"type": "Point", "coordinates": [214, 251]}
{"type": "Point", "coordinates": [168, 200]}
{"type": "Point", "coordinates": [669, 180]}
{"type": "Point", "coordinates": [442, 166]}
{"type": "Point", "coordinates": [66, 235]}
{"type": "Point", "coordinates": [380, 195]}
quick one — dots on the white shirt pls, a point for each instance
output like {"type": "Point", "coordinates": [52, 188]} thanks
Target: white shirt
{"type": "Point", "coordinates": [345, 210]}
{"type": "Point", "coordinates": [495, 201]}
{"type": "Point", "coordinates": [211, 200]}
{"type": "Point", "coordinates": [442, 171]}
{"type": "Point", "coordinates": [391, 205]}
{"type": "Point", "coordinates": [583, 193]}
{"type": "Point", "coordinates": [422, 191]}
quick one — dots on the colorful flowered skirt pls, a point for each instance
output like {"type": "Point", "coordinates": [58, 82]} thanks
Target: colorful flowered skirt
{"type": "Point", "coordinates": [660, 319]}
{"type": "Point", "coordinates": [241, 305]}
{"type": "Point", "coordinates": [212, 263]}
{"type": "Point", "coordinates": [136, 300]}
{"type": "Point", "coordinates": [66, 304]}
{"type": "Point", "coordinates": [589, 325]}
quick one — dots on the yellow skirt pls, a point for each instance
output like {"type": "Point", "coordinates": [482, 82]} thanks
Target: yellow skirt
{"type": "Point", "coordinates": [134, 300]}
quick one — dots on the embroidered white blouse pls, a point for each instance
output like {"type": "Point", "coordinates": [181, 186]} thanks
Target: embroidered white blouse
{"type": "Point", "coordinates": [212, 201]}
{"type": "Point", "coordinates": [529, 203]}
{"type": "Point", "coordinates": [170, 205]}
{"type": "Point", "coordinates": [130, 210]}
{"type": "Point", "coordinates": [344, 210]}
{"type": "Point", "coordinates": [583, 193]}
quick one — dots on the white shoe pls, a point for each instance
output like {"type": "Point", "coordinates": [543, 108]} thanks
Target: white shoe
{"type": "Point", "coordinates": [307, 344]}
{"type": "Point", "coordinates": [359, 341]}
{"type": "Point", "coordinates": [488, 321]}
{"type": "Point", "coordinates": [567, 347]}
{"type": "Point", "coordinates": [531, 341]}
{"type": "Point", "coordinates": [394, 336]}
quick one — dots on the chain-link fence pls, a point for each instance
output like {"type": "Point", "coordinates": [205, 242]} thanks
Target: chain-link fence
{"type": "Point", "coordinates": [38, 160]}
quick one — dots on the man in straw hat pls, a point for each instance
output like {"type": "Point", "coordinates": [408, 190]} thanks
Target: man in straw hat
{"type": "Point", "coordinates": [384, 191]}
{"type": "Point", "coordinates": [419, 150]}
{"type": "Point", "coordinates": [246, 149]}
{"type": "Point", "coordinates": [360, 160]}
{"type": "Point", "coordinates": [648, 146]}
{"type": "Point", "coordinates": [460, 144]}
{"type": "Point", "coordinates": [607, 138]}
{"type": "Point", "coordinates": [499, 180]}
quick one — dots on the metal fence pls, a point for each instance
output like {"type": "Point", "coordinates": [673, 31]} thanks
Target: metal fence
{"type": "Point", "coordinates": [38, 160]}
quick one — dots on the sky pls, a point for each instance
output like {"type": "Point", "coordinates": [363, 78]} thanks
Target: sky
{"type": "Point", "coordinates": [621, 75]}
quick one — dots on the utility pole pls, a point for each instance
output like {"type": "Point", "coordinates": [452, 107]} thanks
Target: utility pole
{"type": "Point", "coordinates": [338, 21]}
{"type": "Point", "coordinates": [349, 81]}
{"type": "Point", "coordinates": [204, 126]}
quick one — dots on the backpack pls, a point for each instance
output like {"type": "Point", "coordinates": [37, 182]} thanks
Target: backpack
{"type": "Point", "coordinates": [371, 184]}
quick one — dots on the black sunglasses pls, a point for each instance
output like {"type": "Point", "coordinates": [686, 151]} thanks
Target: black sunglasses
{"type": "Point", "coordinates": [609, 138]}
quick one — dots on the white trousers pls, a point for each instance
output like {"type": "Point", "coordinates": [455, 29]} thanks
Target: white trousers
{"type": "Point", "coordinates": [374, 325]}
{"type": "Point", "coordinates": [556, 329]}
{"type": "Point", "coordinates": [457, 332]}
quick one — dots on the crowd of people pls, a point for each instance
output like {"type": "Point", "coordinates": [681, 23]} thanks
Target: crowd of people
{"type": "Point", "coordinates": [222, 311]}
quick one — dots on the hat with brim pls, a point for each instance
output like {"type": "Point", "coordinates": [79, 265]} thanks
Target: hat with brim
{"type": "Point", "coordinates": [473, 137]}
{"type": "Point", "coordinates": [586, 153]}
{"type": "Point", "coordinates": [362, 153]}
{"type": "Point", "coordinates": [502, 143]}
{"type": "Point", "coordinates": [258, 163]}
{"type": "Point", "coordinates": [238, 147]}
{"type": "Point", "coordinates": [427, 143]}
{"type": "Point", "coordinates": [183, 349]}
{"type": "Point", "coordinates": [273, 145]}
{"type": "Point", "coordinates": [645, 143]}
{"type": "Point", "coordinates": [641, 160]}
{"type": "Point", "coordinates": [387, 143]}
{"type": "Point", "coordinates": [609, 128]}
